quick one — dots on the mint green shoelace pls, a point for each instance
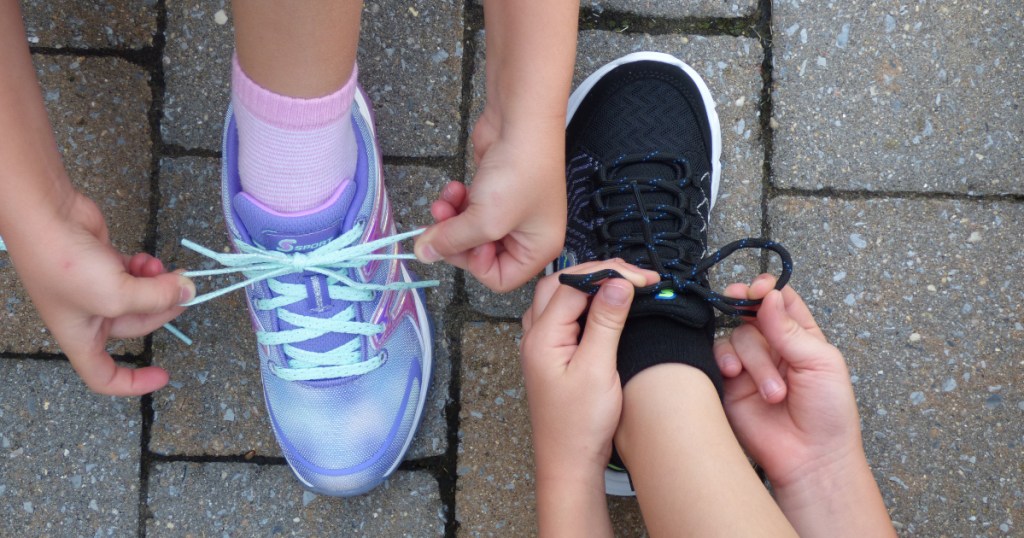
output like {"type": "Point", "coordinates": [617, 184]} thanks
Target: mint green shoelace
{"type": "Point", "coordinates": [332, 261]}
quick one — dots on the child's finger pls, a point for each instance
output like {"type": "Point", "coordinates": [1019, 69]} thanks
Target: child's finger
{"type": "Point", "coordinates": [565, 305]}
{"type": "Point", "coordinates": [457, 194]}
{"type": "Point", "coordinates": [639, 277]}
{"type": "Point", "coordinates": [737, 290]}
{"type": "Point", "coordinates": [528, 319]}
{"type": "Point", "coordinates": [765, 283]}
{"type": "Point", "coordinates": [442, 210]}
{"type": "Point", "coordinates": [799, 346]}
{"type": "Point", "coordinates": [153, 295]}
{"type": "Point", "coordinates": [453, 199]}
{"type": "Point", "coordinates": [456, 235]}
{"type": "Point", "coordinates": [547, 286]}
{"type": "Point", "coordinates": [605, 321]}
{"type": "Point", "coordinates": [757, 289]}
{"type": "Point", "coordinates": [143, 264]}
{"type": "Point", "coordinates": [135, 325]}
{"type": "Point", "coordinates": [542, 293]}
{"type": "Point", "coordinates": [482, 258]}
{"type": "Point", "coordinates": [556, 327]}
{"type": "Point", "coordinates": [797, 309]}
{"type": "Point", "coordinates": [727, 359]}
{"type": "Point", "coordinates": [752, 350]}
{"type": "Point", "coordinates": [104, 376]}
{"type": "Point", "coordinates": [761, 285]}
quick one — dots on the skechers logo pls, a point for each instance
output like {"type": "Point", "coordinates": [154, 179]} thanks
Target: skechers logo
{"type": "Point", "coordinates": [291, 245]}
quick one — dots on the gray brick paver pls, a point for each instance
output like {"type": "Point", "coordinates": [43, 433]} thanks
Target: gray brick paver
{"type": "Point", "coordinates": [924, 300]}
{"type": "Point", "coordinates": [495, 464]}
{"type": "Point", "coordinates": [677, 8]}
{"type": "Point", "coordinates": [70, 458]}
{"type": "Point", "coordinates": [197, 73]}
{"type": "Point", "coordinates": [238, 500]}
{"type": "Point", "coordinates": [672, 9]}
{"type": "Point", "coordinates": [921, 97]}
{"type": "Point", "coordinates": [118, 24]}
{"type": "Point", "coordinates": [214, 403]}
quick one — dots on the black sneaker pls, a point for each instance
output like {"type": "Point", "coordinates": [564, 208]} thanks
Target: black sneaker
{"type": "Point", "coordinates": [642, 155]}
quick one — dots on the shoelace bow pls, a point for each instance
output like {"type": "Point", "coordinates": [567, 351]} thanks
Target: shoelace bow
{"type": "Point", "coordinates": [331, 260]}
{"type": "Point", "coordinates": [682, 272]}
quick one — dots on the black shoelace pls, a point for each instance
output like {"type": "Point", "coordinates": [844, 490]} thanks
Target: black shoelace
{"type": "Point", "coordinates": [662, 249]}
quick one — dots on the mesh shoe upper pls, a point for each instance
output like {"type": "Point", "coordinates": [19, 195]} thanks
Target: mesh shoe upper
{"type": "Point", "coordinates": [643, 190]}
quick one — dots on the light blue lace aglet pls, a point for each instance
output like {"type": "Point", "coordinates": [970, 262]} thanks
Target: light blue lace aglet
{"type": "Point", "coordinates": [177, 333]}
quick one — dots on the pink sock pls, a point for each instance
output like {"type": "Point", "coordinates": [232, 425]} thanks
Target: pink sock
{"type": "Point", "coordinates": [292, 153]}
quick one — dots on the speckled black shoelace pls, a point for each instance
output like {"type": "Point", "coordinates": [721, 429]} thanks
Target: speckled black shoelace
{"type": "Point", "coordinates": [645, 247]}
{"type": "Point", "coordinates": [727, 305]}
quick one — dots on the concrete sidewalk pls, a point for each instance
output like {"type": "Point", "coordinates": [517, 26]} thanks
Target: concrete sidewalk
{"type": "Point", "coordinates": [882, 142]}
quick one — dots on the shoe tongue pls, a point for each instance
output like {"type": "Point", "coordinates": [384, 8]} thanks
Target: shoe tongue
{"type": "Point", "coordinates": [683, 307]}
{"type": "Point", "coordinates": [295, 232]}
{"type": "Point", "coordinates": [300, 233]}
{"type": "Point", "coordinates": [647, 170]}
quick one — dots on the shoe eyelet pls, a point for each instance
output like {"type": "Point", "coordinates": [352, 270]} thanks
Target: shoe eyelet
{"type": "Point", "coordinates": [383, 356]}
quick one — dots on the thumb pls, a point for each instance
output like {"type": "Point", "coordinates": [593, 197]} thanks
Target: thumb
{"type": "Point", "coordinates": [606, 319]}
{"type": "Point", "coordinates": [456, 235]}
{"type": "Point", "coordinates": [795, 344]}
{"type": "Point", "coordinates": [104, 376]}
{"type": "Point", "coordinates": [152, 295]}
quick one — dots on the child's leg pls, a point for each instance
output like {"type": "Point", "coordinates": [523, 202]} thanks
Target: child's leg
{"type": "Point", "coordinates": [300, 49]}
{"type": "Point", "coordinates": [690, 474]}
{"type": "Point", "coordinates": [292, 89]}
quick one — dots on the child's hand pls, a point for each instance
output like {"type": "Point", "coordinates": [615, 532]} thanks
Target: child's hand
{"type": "Point", "coordinates": [789, 399]}
{"type": "Point", "coordinates": [511, 222]}
{"type": "Point", "coordinates": [572, 384]}
{"type": "Point", "coordinates": [87, 292]}
{"type": "Point", "coordinates": [788, 393]}
{"type": "Point", "coordinates": [575, 395]}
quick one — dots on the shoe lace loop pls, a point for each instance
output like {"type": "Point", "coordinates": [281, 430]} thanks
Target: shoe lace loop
{"type": "Point", "coordinates": [332, 260]}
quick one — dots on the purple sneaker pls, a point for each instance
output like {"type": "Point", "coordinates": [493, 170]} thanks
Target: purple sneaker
{"type": "Point", "coordinates": [344, 339]}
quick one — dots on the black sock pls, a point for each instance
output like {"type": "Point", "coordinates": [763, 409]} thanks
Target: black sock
{"type": "Point", "coordinates": [650, 340]}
